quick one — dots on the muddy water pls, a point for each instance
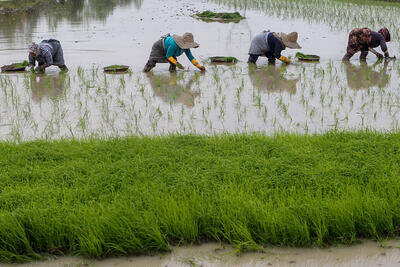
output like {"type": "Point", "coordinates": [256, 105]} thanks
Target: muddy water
{"type": "Point", "coordinates": [367, 254]}
{"type": "Point", "coordinates": [301, 97]}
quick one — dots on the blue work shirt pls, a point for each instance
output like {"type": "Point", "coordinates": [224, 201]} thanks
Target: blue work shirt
{"type": "Point", "coordinates": [173, 50]}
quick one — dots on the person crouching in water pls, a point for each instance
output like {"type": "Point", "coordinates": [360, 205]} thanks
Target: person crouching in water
{"type": "Point", "coordinates": [364, 40]}
{"type": "Point", "coordinates": [271, 44]}
{"type": "Point", "coordinates": [47, 53]}
{"type": "Point", "coordinates": [168, 48]}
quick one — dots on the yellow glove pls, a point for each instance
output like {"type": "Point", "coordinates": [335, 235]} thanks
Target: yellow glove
{"type": "Point", "coordinates": [284, 59]}
{"type": "Point", "coordinates": [173, 61]}
{"type": "Point", "coordinates": [200, 67]}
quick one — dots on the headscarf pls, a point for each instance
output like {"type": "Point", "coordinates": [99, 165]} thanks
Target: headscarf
{"type": "Point", "coordinates": [385, 32]}
{"type": "Point", "coordinates": [34, 48]}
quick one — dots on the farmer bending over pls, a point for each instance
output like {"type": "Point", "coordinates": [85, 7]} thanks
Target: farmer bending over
{"type": "Point", "coordinates": [271, 44]}
{"type": "Point", "coordinates": [47, 53]}
{"type": "Point", "coordinates": [364, 40]}
{"type": "Point", "coordinates": [168, 48]}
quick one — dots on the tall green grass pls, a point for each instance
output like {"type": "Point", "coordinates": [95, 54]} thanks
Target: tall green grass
{"type": "Point", "coordinates": [140, 195]}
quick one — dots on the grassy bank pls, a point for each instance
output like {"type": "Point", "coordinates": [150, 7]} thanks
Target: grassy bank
{"type": "Point", "coordinates": [13, 6]}
{"type": "Point", "coordinates": [140, 195]}
{"type": "Point", "coordinates": [20, 5]}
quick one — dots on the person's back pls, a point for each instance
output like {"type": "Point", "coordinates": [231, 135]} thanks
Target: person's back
{"type": "Point", "coordinates": [271, 44]}
{"type": "Point", "coordinates": [47, 53]}
{"type": "Point", "coordinates": [259, 44]}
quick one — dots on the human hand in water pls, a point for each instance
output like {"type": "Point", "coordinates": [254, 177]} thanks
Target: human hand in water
{"type": "Point", "coordinates": [379, 55]}
{"type": "Point", "coordinates": [179, 65]}
{"type": "Point", "coordinates": [39, 69]}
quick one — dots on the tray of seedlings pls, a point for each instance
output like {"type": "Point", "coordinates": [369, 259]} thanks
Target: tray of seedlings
{"type": "Point", "coordinates": [116, 69]}
{"type": "Point", "coordinates": [210, 16]}
{"type": "Point", "coordinates": [223, 60]}
{"type": "Point", "coordinates": [309, 58]}
{"type": "Point", "coordinates": [19, 66]}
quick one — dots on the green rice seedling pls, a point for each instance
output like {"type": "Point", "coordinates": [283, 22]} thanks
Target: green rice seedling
{"type": "Point", "coordinates": [223, 15]}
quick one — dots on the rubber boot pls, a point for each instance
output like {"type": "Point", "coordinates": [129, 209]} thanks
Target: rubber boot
{"type": "Point", "coordinates": [172, 67]}
{"type": "Point", "coordinates": [271, 61]}
{"type": "Point", "coordinates": [149, 65]}
{"type": "Point", "coordinates": [63, 68]}
{"type": "Point", "coordinates": [347, 57]}
{"type": "Point", "coordinates": [363, 55]}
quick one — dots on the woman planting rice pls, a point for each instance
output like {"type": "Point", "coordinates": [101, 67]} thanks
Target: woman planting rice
{"type": "Point", "coordinates": [364, 40]}
{"type": "Point", "coordinates": [271, 44]}
{"type": "Point", "coordinates": [168, 48]}
{"type": "Point", "coordinates": [47, 53]}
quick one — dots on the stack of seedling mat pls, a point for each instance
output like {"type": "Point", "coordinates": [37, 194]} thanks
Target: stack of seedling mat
{"type": "Point", "coordinates": [116, 69]}
{"type": "Point", "coordinates": [221, 59]}
{"type": "Point", "coordinates": [221, 17]}
{"type": "Point", "coordinates": [309, 58]}
{"type": "Point", "coordinates": [20, 66]}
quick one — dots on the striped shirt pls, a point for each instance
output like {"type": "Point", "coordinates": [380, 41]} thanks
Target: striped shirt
{"type": "Point", "coordinates": [45, 56]}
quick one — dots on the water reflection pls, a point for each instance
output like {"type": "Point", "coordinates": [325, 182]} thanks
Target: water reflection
{"type": "Point", "coordinates": [271, 78]}
{"type": "Point", "coordinates": [14, 27]}
{"type": "Point", "coordinates": [48, 86]}
{"type": "Point", "coordinates": [364, 76]}
{"type": "Point", "coordinates": [172, 88]}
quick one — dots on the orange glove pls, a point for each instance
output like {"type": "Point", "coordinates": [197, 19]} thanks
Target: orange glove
{"type": "Point", "coordinates": [196, 63]}
{"type": "Point", "coordinates": [173, 61]}
{"type": "Point", "coordinates": [284, 59]}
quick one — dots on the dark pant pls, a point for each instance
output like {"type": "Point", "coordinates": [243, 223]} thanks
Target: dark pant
{"type": "Point", "coordinates": [363, 55]}
{"type": "Point", "coordinates": [158, 55]}
{"type": "Point", "coordinates": [253, 58]}
{"type": "Point", "coordinates": [151, 63]}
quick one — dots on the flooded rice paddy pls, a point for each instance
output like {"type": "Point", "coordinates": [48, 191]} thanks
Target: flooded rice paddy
{"type": "Point", "coordinates": [299, 98]}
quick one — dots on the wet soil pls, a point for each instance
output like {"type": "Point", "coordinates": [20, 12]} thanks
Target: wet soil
{"type": "Point", "coordinates": [366, 254]}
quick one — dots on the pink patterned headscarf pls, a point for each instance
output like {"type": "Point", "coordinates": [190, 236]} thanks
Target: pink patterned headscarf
{"type": "Point", "coordinates": [34, 48]}
{"type": "Point", "coordinates": [385, 32]}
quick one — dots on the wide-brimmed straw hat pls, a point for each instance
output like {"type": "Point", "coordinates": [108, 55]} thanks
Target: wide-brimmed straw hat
{"type": "Point", "coordinates": [290, 40]}
{"type": "Point", "coordinates": [186, 41]}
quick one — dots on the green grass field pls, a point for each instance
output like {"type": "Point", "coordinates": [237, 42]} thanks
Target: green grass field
{"type": "Point", "coordinates": [134, 195]}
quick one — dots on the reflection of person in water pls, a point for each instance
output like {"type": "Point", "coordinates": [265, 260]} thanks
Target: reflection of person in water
{"type": "Point", "coordinates": [43, 85]}
{"type": "Point", "coordinates": [364, 76]}
{"type": "Point", "coordinates": [271, 78]}
{"type": "Point", "coordinates": [172, 89]}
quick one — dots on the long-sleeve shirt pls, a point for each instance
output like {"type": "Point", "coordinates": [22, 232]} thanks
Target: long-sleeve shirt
{"type": "Point", "coordinates": [378, 39]}
{"type": "Point", "coordinates": [45, 56]}
{"type": "Point", "coordinates": [173, 50]}
{"type": "Point", "coordinates": [264, 43]}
